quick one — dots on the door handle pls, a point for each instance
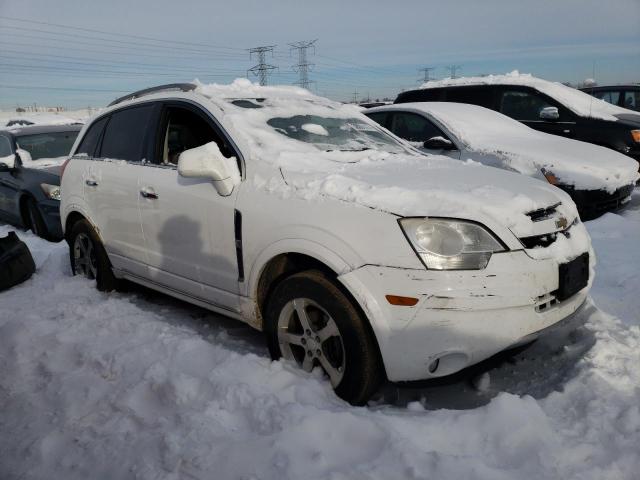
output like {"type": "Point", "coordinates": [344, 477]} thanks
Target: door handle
{"type": "Point", "coordinates": [91, 183]}
{"type": "Point", "coordinates": [148, 192]}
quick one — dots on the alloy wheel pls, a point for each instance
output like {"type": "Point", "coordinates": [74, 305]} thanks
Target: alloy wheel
{"type": "Point", "coordinates": [84, 256]}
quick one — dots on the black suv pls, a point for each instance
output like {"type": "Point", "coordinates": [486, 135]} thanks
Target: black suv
{"type": "Point", "coordinates": [555, 114]}
{"type": "Point", "coordinates": [625, 96]}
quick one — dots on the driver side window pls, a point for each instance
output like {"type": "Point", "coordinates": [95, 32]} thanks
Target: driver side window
{"type": "Point", "coordinates": [414, 127]}
{"type": "Point", "coordinates": [183, 130]}
{"type": "Point", "coordinates": [523, 105]}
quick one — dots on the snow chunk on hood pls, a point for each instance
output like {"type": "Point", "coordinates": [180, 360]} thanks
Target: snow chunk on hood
{"type": "Point", "coordinates": [578, 102]}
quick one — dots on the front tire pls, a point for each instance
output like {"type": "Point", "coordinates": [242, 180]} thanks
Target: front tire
{"type": "Point", "coordinates": [89, 258]}
{"type": "Point", "coordinates": [34, 220]}
{"type": "Point", "coordinates": [311, 322]}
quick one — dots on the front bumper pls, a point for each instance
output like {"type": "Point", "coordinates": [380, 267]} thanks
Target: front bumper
{"type": "Point", "coordinates": [462, 317]}
{"type": "Point", "coordinates": [593, 203]}
{"type": "Point", "coordinates": [50, 210]}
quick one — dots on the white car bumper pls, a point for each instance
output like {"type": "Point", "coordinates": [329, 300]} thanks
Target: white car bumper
{"type": "Point", "coordinates": [462, 317]}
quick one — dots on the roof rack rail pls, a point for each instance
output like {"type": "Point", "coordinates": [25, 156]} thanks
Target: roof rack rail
{"type": "Point", "coordinates": [184, 87]}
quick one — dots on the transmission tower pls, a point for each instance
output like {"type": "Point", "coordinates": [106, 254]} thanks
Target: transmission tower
{"type": "Point", "coordinates": [453, 70]}
{"type": "Point", "coordinates": [427, 74]}
{"type": "Point", "coordinates": [262, 69]}
{"type": "Point", "coordinates": [303, 66]}
{"type": "Point", "coordinates": [355, 96]}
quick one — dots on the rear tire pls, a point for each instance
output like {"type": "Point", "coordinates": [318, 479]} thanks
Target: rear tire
{"type": "Point", "coordinates": [34, 220]}
{"type": "Point", "coordinates": [89, 258]}
{"type": "Point", "coordinates": [311, 322]}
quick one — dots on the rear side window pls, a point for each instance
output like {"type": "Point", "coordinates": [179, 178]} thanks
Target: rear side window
{"type": "Point", "coordinates": [413, 127]}
{"type": "Point", "coordinates": [632, 100]}
{"type": "Point", "coordinates": [5, 146]}
{"type": "Point", "coordinates": [124, 136]}
{"type": "Point", "coordinates": [90, 140]}
{"type": "Point", "coordinates": [379, 117]}
{"type": "Point", "coordinates": [609, 96]}
{"type": "Point", "coordinates": [482, 96]}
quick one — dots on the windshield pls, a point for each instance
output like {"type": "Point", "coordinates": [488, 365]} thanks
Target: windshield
{"type": "Point", "coordinates": [47, 145]}
{"type": "Point", "coordinates": [329, 134]}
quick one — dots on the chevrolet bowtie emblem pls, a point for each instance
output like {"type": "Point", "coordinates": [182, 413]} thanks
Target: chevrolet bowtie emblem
{"type": "Point", "coordinates": [561, 223]}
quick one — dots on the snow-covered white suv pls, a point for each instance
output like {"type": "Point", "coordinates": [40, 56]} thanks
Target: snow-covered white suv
{"type": "Point", "coordinates": [305, 219]}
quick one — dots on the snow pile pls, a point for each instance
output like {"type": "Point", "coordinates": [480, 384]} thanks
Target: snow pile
{"type": "Point", "coordinates": [528, 151]}
{"type": "Point", "coordinates": [393, 177]}
{"type": "Point", "coordinates": [43, 118]}
{"type": "Point", "coordinates": [128, 385]}
{"type": "Point", "coordinates": [578, 102]}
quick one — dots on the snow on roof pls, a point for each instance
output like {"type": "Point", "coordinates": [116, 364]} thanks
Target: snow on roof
{"type": "Point", "coordinates": [578, 102]}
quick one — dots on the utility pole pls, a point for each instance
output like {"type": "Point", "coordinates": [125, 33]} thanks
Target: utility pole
{"type": "Point", "coordinates": [262, 69]}
{"type": "Point", "coordinates": [427, 74]}
{"type": "Point", "coordinates": [303, 66]}
{"type": "Point", "coordinates": [453, 70]}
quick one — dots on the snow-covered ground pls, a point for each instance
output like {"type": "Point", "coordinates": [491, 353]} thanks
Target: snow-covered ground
{"type": "Point", "coordinates": [138, 385]}
{"type": "Point", "coordinates": [47, 118]}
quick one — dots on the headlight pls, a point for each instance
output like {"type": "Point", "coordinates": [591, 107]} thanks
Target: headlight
{"type": "Point", "coordinates": [51, 191]}
{"type": "Point", "coordinates": [636, 135]}
{"type": "Point", "coordinates": [447, 244]}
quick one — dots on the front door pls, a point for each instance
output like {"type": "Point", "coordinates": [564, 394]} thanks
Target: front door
{"type": "Point", "coordinates": [188, 227]}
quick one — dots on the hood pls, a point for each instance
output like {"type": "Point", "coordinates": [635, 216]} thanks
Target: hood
{"type": "Point", "coordinates": [584, 166]}
{"type": "Point", "coordinates": [408, 185]}
{"type": "Point", "coordinates": [632, 119]}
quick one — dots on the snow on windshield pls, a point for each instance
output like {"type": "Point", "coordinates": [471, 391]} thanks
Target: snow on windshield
{"type": "Point", "coordinates": [289, 126]}
{"type": "Point", "coordinates": [329, 134]}
{"type": "Point", "coordinates": [579, 102]}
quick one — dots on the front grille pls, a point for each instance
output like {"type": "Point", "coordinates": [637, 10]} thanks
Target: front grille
{"type": "Point", "coordinates": [543, 213]}
{"type": "Point", "coordinates": [543, 241]}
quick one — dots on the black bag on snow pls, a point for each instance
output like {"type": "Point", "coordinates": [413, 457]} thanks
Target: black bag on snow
{"type": "Point", "coordinates": [16, 262]}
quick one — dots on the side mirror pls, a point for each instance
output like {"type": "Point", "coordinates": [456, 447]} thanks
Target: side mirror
{"type": "Point", "coordinates": [439, 143]}
{"type": "Point", "coordinates": [549, 113]}
{"type": "Point", "coordinates": [4, 167]}
{"type": "Point", "coordinates": [207, 161]}
{"type": "Point", "coordinates": [24, 156]}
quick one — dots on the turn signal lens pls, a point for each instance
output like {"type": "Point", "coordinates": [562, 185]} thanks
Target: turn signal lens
{"type": "Point", "coordinates": [401, 301]}
{"type": "Point", "coordinates": [551, 178]}
{"type": "Point", "coordinates": [636, 135]}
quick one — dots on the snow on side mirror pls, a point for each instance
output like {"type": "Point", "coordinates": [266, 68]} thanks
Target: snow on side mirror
{"type": "Point", "coordinates": [549, 113]}
{"type": "Point", "coordinates": [7, 163]}
{"type": "Point", "coordinates": [207, 161]}
{"type": "Point", "coordinates": [23, 155]}
{"type": "Point", "coordinates": [439, 143]}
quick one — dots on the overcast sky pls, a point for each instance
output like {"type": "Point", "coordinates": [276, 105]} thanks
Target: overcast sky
{"type": "Point", "coordinates": [53, 52]}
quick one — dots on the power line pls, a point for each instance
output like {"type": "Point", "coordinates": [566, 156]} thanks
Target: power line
{"type": "Point", "coordinates": [303, 66]}
{"type": "Point", "coordinates": [262, 69]}
{"type": "Point", "coordinates": [138, 37]}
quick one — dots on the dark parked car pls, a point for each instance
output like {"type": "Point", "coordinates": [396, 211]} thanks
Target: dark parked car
{"type": "Point", "coordinates": [546, 106]}
{"type": "Point", "coordinates": [625, 96]}
{"type": "Point", "coordinates": [30, 162]}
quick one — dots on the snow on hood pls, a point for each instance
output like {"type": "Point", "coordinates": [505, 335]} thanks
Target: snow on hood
{"type": "Point", "coordinates": [399, 180]}
{"type": "Point", "coordinates": [410, 185]}
{"type": "Point", "coordinates": [528, 151]}
{"type": "Point", "coordinates": [578, 102]}
{"type": "Point", "coordinates": [45, 163]}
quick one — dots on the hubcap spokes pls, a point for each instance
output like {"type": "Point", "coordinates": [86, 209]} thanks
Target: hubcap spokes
{"type": "Point", "coordinates": [309, 336]}
{"type": "Point", "coordinates": [84, 256]}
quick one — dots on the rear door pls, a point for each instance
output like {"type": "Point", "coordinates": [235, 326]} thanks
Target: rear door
{"type": "Point", "coordinates": [188, 227]}
{"type": "Point", "coordinates": [8, 183]}
{"type": "Point", "coordinates": [111, 184]}
{"type": "Point", "coordinates": [525, 104]}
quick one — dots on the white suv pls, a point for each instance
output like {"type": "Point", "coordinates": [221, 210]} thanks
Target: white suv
{"type": "Point", "coordinates": [305, 219]}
